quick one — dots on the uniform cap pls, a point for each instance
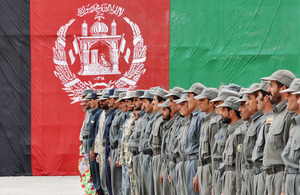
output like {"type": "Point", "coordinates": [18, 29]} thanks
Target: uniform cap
{"type": "Point", "coordinates": [121, 96]}
{"type": "Point", "coordinates": [223, 94]}
{"type": "Point", "coordinates": [139, 93]}
{"type": "Point", "coordinates": [295, 86]}
{"type": "Point", "coordinates": [183, 98]}
{"type": "Point", "coordinates": [176, 91]}
{"type": "Point", "coordinates": [243, 99]}
{"type": "Point", "coordinates": [160, 92]}
{"type": "Point", "coordinates": [91, 96]}
{"type": "Point", "coordinates": [129, 95]}
{"type": "Point", "coordinates": [283, 76]}
{"type": "Point", "coordinates": [253, 88]}
{"type": "Point", "coordinates": [231, 102]}
{"type": "Point", "coordinates": [210, 93]}
{"type": "Point", "coordinates": [86, 91]}
{"type": "Point", "coordinates": [116, 93]}
{"type": "Point", "coordinates": [196, 88]}
{"type": "Point", "coordinates": [233, 87]}
{"type": "Point", "coordinates": [165, 104]}
{"type": "Point", "coordinates": [147, 95]}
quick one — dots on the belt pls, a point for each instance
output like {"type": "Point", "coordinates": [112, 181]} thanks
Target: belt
{"type": "Point", "coordinates": [114, 145]}
{"type": "Point", "coordinates": [105, 143]}
{"type": "Point", "coordinates": [229, 168]}
{"type": "Point", "coordinates": [148, 151]}
{"type": "Point", "coordinates": [87, 136]}
{"type": "Point", "coordinates": [249, 166]}
{"type": "Point", "coordinates": [134, 152]}
{"type": "Point", "coordinates": [292, 171]}
{"type": "Point", "coordinates": [191, 157]}
{"type": "Point", "coordinates": [274, 169]}
{"type": "Point", "coordinates": [156, 152]}
{"type": "Point", "coordinates": [204, 162]}
{"type": "Point", "coordinates": [258, 170]}
{"type": "Point", "coordinates": [180, 159]}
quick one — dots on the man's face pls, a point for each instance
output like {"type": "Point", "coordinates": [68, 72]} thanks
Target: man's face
{"type": "Point", "coordinates": [137, 102]}
{"type": "Point", "coordinates": [298, 101]}
{"type": "Point", "coordinates": [226, 115]}
{"type": "Point", "coordinates": [260, 101]}
{"type": "Point", "coordinates": [251, 103]}
{"type": "Point", "coordinates": [148, 106]}
{"type": "Point", "coordinates": [219, 109]}
{"type": "Point", "coordinates": [173, 105]}
{"type": "Point", "coordinates": [166, 114]}
{"type": "Point", "coordinates": [123, 106]}
{"type": "Point", "coordinates": [110, 102]}
{"type": "Point", "coordinates": [103, 104]}
{"type": "Point", "coordinates": [204, 105]}
{"type": "Point", "coordinates": [292, 104]}
{"type": "Point", "coordinates": [244, 111]}
{"type": "Point", "coordinates": [129, 104]}
{"type": "Point", "coordinates": [184, 109]}
{"type": "Point", "coordinates": [155, 103]}
{"type": "Point", "coordinates": [86, 104]}
{"type": "Point", "coordinates": [93, 103]}
{"type": "Point", "coordinates": [192, 103]}
{"type": "Point", "coordinates": [116, 104]}
{"type": "Point", "coordinates": [275, 96]}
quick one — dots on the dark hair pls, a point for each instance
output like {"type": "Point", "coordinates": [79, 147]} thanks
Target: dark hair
{"type": "Point", "coordinates": [175, 97]}
{"type": "Point", "coordinates": [236, 112]}
{"type": "Point", "coordinates": [149, 99]}
{"type": "Point", "coordinates": [160, 99]}
{"type": "Point", "coordinates": [264, 93]}
{"type": "Point", "coordinates": [280, 84]}
{"type": "Point", "coordinates": [131, 99]}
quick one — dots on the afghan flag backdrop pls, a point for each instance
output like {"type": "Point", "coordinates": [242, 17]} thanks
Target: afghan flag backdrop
{"type": "Point", "coordinates": [51, 50]}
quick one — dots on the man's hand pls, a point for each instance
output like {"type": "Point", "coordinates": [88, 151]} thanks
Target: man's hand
{"type": "Point", "coordinates": [92, 155]}
{"type": "Point", "coordinates": [161, 179]}
{"type": "Point", "coordinates": [212, 191]}
{"type": "Point", "coordinates": [196, 184]}
{"type": "Point", "coordinates": [282, 193]}
{"type": "Point", "coordinates": [117, 164]}
{"type": "Point", "coordinates": [169, 178]}
{"type": "Point", "coordinates": [109, 159]}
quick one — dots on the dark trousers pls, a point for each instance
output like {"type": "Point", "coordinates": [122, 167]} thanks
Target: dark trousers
{"type": "Point", "coordinates": [107, 170]}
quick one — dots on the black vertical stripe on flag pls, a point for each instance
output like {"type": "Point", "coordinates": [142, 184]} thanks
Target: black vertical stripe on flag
{"type": "Point", "coordinates": [15, 114]}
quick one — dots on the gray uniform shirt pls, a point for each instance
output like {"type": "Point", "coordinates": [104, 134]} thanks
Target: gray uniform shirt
{"type": "Point", "coordinates": [115, 128]}
{"type": "Point", "coordinates": [146, 135]}
{"type": "Point", "coordinates": [166, 131]}
{"type": "Point", "coordinates": [155, 138]}
{"type": "Point", "coordinates": [140, 125]}
{"type": "Point", "coordinates": [219, 146]}
{"type": "Point", "coordinates": [85, 130]}
{"type": "Point", "coordinates": [178, 150]}
{"type": "Point", "coordinates": [278, 135]}
{"type": "Point", "coordinates": [210, 127]}
{"type": "Point", "coordinates": [291, 152]}
{"type": "Point", "coordinates": [192, 137]}
{"type": "Point", "coordinates": [251, 136]}
{"type": "Point", "coordinates": [258, 150]}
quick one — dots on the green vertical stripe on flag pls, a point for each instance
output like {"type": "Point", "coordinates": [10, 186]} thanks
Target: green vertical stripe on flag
{"type": "Point", "coordinates": [235, 41]}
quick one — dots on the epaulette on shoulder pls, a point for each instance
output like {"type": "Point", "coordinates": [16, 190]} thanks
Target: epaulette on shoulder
{"type": "Point", "coordinates": [269, 120]}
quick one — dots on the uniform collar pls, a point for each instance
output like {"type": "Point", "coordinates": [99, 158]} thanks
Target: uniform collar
{"type": "Point", "coordinates": [195, 113]}
{"type": "Point", "coordinates": [256, 115]}
{"type": "Point", "coordinates": [152, 114]}
{"type": "Point", "coordinates": [277, 108]}
{"type": "Point", "coordinates": [141, 113]}
{"type": "Point", "coordinates": [209, 116]}
{"type": "Point", "coordinates": [296, 119]}
{"type": "Point", "coordinates": [231, 128]}
{"type": "Point", "coordinates": [95, 110]}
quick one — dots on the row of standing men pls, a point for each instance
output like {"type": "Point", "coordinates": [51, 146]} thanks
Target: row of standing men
{"type": "Point", "coordinates": [230, 140]}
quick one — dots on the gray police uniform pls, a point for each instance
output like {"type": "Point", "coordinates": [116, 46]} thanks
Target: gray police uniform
{"type": "Point", "coordinates": [116, 172]}
{"type": "Point", "coordinates": [259, 178]}
{"type": "Point", "coordinates": [166, 130]}
{"type": "Point", "coordinates": [170, 148]}
{"type": "Point", "coordinates": [210, 127]}
{"type": "Point", "coordinates": [180, 176]}
{"type": "Point", "coordinates": [147, 181]}
{"type": "Point", "coordinates": [231, 158]}
{"type": "Point", "coordinates": [154, 142]}
{"type": "Point", "coordinates": [85, 130]}
{"type": "Point", "coordinates": [218, 149]}
{"type": "Point", "coordinates": [248, 144]}
{"type": "Point", "coordinates": [133, 146]}
{"type": "Point", "coordinates": [276, 140]}
{"type": "Point", "coordinates": [191, 149]}
{"type": "Point", "coordinates": [291, 159]}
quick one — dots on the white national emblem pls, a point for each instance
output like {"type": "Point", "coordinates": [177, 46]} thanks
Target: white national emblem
{"type": "Point", "coordinates": [93, 61]}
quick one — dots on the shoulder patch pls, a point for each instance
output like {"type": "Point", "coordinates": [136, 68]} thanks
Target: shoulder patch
{"type": "Point", "coordinates": [240, 148]}
{"type": "Point", "coordinates": [269, 120]}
